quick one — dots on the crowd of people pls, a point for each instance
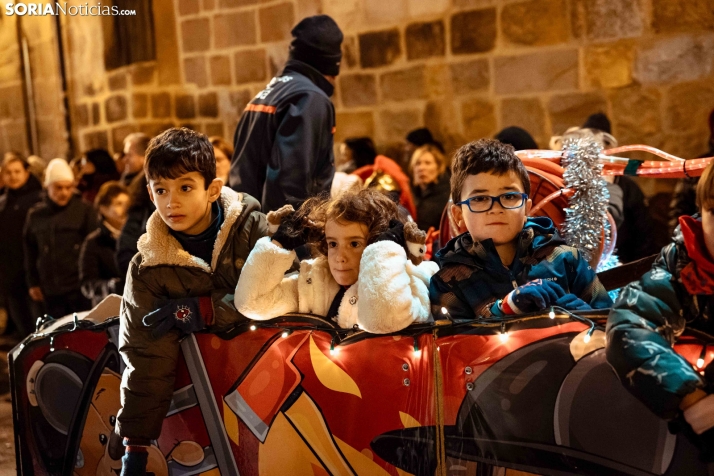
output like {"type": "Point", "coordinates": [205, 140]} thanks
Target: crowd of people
{"type": "Point", "coordinates": [197, 233]}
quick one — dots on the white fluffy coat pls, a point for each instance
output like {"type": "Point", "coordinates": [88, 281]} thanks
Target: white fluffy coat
{"type": "Point", "coordinates": [390, 294]}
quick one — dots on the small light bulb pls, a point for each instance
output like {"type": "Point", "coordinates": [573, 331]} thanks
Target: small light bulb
{"type": "Point", "coordinates": [285, 334]}
{"type": "Point", "coordinates": [700, 363]}
{"type": "Point", "coordinates": [253, 327]}
{"type": "Point", "coordinates": [503, 336]}
{"type": "Point", "coordinates": [334, 351]}
{"type": "Point", "coordinates": [551, 314]}
{"type": "Point", "coordinates": [417, 353]}
{"type": "Point", "coordinates": [444, 311]}
{"type": "Point", "coordinates": [586, 339]}
{"type": "Point", "coordinates": [438, 349]}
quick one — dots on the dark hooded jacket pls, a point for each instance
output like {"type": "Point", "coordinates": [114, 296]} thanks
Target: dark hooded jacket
{"type": "Point", "coordinates": [472, 276]}
{"type": "Point", "coordinates": [648, 317]}
{"type": "Point", "coordinates": [99, 274]}
{"type": "Point", "coordinates": [283, 142]}
{"type": "Point", "coordinates": [14, 205]}
{"type": "Point", "coordinates": [431, 201]}
{"type": "Point", "coordinates": [53, 236]}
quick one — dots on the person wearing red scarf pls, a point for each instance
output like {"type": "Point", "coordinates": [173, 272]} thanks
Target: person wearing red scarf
{"type": "Point", "coordinates": [651, 313]}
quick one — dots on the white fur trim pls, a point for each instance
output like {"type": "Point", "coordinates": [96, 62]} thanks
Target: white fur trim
{"type": "Point", "coordinates": [158, 247]}
{"type": "Point", "coordinates": [392, 296]}
{"type": "Point", "coordinates": [701, 415]}
{"type": "Point", "coordinates": [416, 249]}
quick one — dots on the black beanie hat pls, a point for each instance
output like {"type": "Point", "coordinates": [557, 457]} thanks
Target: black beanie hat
{"type": "Point", "coordinates": [598, 121]}
{"type": "Point", "coordinates": [518, 137]}
{"type": "Point", "coordinates": [317, 41]}
{"type": "Point", "coordinates": [420, 137]}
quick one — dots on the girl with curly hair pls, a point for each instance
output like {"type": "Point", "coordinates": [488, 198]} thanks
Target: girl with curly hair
{"type": "Point", "coordinates": [368, 271]}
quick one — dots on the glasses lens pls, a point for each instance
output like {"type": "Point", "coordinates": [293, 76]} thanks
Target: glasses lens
{"type": "Point", "coordinates": [511, 200]}
{"type": "Point", "coordinates": [480, 203]}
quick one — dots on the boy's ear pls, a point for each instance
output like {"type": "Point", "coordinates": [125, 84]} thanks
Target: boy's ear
{"type": "Point", "coordinates": [458, 214]}
{"type": "Point", "coordinates": [529, 205]}
{"type": "Point", "coordinates": [151, 193]}
{"type": "Point", "coordinates": [214, 189]}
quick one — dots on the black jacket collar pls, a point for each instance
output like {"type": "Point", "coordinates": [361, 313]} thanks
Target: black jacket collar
{"type": "Point", "coordinates": [310, 73]}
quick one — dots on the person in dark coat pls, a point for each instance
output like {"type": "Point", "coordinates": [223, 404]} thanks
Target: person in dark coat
{"type": "Point", "coordinates": [284, 140]}
{"type": "Point", "coordinates": [97, 168]}
{"type": "Point", "coordinates": [356, 152]}
{"type": "Point", "coordinates": [135, 145]}
{"type": "Point", "coordinates": [430, 185]}
{"type": "Point", "coordinates": [99, 274]}
{"type": "Point", "coordinates": [140, 209]}
{"type": "Point", "coordinates": [23, 191]}
{"type": "Point", "coordinates": [53, 234]}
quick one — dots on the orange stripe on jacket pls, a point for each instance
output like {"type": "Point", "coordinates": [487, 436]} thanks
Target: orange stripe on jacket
{"type": "Point", "coordinates": [260, 108]}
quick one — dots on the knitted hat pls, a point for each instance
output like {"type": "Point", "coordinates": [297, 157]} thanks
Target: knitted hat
{"type": "Point", "coordinates": [58, 170]}
{"type": "Point", "coordinates": [420, 137]}
{"type": "Point", "coordinates": [598, 121]}
{"type": "Point", "coordinates": [519, 138]}
{"type": "Point", "coordinates": [317, 41]}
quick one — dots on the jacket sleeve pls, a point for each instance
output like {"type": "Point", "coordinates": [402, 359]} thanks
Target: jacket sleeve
{"type": "Point", "coordinates": [303, 145]}
{"type": "Point", "coordinates": [641, 330]}
{"type": "Point", "coordinates": [444, 295]}
{"type": "Point", "coordinates": [31, 254]}
{"type": "Point", "coordinates": [247, 172]}
{"type": "Point", "coordinates": [583, 281]}
{"type": "Point", "coordinates": [393, 293]}
{"type": "Point", "coordinates": [90, 280]}
{"type": "Point", "coordinates": [91, 221]}
{"type": "Point", "coordinates": [148, 381]}
{"type": "Point", "coordinates": [264, 291]}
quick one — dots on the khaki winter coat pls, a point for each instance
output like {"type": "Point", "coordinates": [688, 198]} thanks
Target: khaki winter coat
{"type": "Point", "coordinates": [164, 270]}
{"type": "Point", "coordinates": [390, 294]}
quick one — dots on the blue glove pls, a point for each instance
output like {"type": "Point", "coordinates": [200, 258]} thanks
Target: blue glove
{"type": "Point", "coordinates": [531, 297]}
{"type": "Point", "coordinates": [188, 315]}
{"type": "Point", "coordinates": [134, 463]}
{"type": "Point", "coordinates": [572, 303]}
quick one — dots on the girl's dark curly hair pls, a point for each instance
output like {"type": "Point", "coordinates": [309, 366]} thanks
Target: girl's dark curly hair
{"type": "Point", "coordinates": [369, 207]}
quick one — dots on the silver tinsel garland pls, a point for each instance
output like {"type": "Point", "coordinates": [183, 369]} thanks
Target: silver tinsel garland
{"type": "Point", "coordinates": [586, 215]}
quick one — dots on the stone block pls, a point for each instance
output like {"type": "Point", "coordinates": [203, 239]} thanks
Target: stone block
{"type": "Point", "coordinates": [250, 66]}
{"type": "Point", "coordinates": [153, 129]}
{"type": "Point", "coordinates": [377, 12]}
{"type": "Point", "coordinates": [670, 16]}
{"type": "Point", "coordinates": [276, 22]}
{"type": "Point", "coordinates": [220, 70]}
{"type": "Point", "coordinates": [470, 76]}
{"type": "Point", "coordinates": [196, 35]}
{"type": "Point", "coordinates": [188, 7]}
{"type": "Point", "coordinates": [438, 80]}
{"type": "Point", "coordinates": [81, 115]}
{"type": "Point", "coordinates": [350, 53]}
{"type": "Point", "coordinates": [194, 70]}
{"type": "Point", "coordinates": [116, 108]}
{"type": "Point", "coordinates": [234, 29]}
{"type": "Point", "coordinates": [118, 135]}
{"type": "Point", "coordinates": [379, 48]}
{"type": "Point", "coordinates": [277, 57]}
{"type": "Point", "coordinates": [609, 65]}
{"type": "Point", "coordinates": [544, 71]}
{"type": "Point", "coordinates": [527, 113]}
{"type": "Point", "coordinates": [139, 105]}
{"type": "Point", "coordinates": [479, 119]}
{"type": "Point", "coordinates": [358, 90]}
{"type": "Point", "coordinates": [473, 31]}
{"type": "Point", "coordinates": [536, 22]}
{"type": "Point", "coordinates": [425, 40]}
{"type": "Point", "coordinates": [117, 82]}
{"type": "Point", "coordinates": [635, 115]}
{"type": "Point", "coordinates": [674, 59]}
{"type": "Point", "coordinates": [307, 8]}
{"type": "Point", "coordinates": [439, 118]}
{"type": "Point", "coordinates": [185, 106]}
{"type": "Point", "coordinates": [208, 105]}
{"type": "Point", "coordinates": [687, 106]}
{"type": "Point", "coordinates": [604, 20]}
{"type": "Point", "coordinates": [420, 8]}
{"type": "Point", "coordinates": [571, 110]}
{"type": "Point", "coordinates": [403, 84]}
{"type": "Point", "coordinates": [209, 5]}
{"type": "Point", "coordinates": [142, 73]}
{"type": "Point", "coordinates": [469, 4]}
{"type": "Point", "coordinates": [11, 105]}
{"type": "Point", "coordinates": [394, 125]}
{"type": "Point", "coordinates": [161, 105]}
{"type": "Point", "coordinates": [215, 129]}
{"type": "Point", "coordinates": [353, 124]}
{"type": "Point", "coordinates": [192, 125]}
{"type": "Point", "coordinates": [96, 114]}
{"type": "Point", "coordinates": [240, 99]}
{"type": "Point", "coordinates": [95, 140]}
{"type": "Point", "coordinates": [236, 3]}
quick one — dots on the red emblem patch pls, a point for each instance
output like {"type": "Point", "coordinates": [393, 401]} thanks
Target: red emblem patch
{"type": "Point", "coordinates": [183, 314]}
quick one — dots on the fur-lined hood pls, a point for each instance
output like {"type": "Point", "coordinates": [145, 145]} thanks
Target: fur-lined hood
{"type": "Point", "coordinates": [158, 247]}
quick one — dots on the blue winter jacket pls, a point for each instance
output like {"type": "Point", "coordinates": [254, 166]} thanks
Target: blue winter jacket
{"type": "Point", "coordinates": [472, 276]}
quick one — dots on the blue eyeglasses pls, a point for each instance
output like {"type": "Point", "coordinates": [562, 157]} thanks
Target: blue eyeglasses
{"type": "Point", "coordinates": [483, 203]}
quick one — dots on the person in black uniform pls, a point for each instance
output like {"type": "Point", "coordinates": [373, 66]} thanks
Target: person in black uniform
{"type": "Point", "coordinates": [284, 140]}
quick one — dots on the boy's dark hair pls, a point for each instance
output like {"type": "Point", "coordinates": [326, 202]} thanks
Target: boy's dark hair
{"type": "Point", "coordinates": [179, 151]}
{"type": "Point", "coordinates": [108, 192]}
{"type": "Point", "coordinates": [489, 156]}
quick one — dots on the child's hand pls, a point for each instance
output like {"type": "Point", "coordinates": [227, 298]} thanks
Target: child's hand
{"type": "Point", "coordinates": [531, 297]}
{"type": "Point", "coordinates": [572, 303]}
{"type": "Point", "coordinates": [188, 315]}
{"type": "Point", "coordinates": [292, 232]}
{"type": "Point", "coordinates": [275, 217]}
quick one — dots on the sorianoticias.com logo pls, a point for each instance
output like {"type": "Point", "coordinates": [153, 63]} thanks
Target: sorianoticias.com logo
{"type": "Point", "coordinates": [41, 9]}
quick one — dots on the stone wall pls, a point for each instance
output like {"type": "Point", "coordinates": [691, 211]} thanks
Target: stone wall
{"type": "Point", "coordinates": [464, 68]}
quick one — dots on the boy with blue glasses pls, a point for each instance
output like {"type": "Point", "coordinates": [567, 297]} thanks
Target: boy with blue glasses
{"type": "Point", "coordinates": [506, 263]}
